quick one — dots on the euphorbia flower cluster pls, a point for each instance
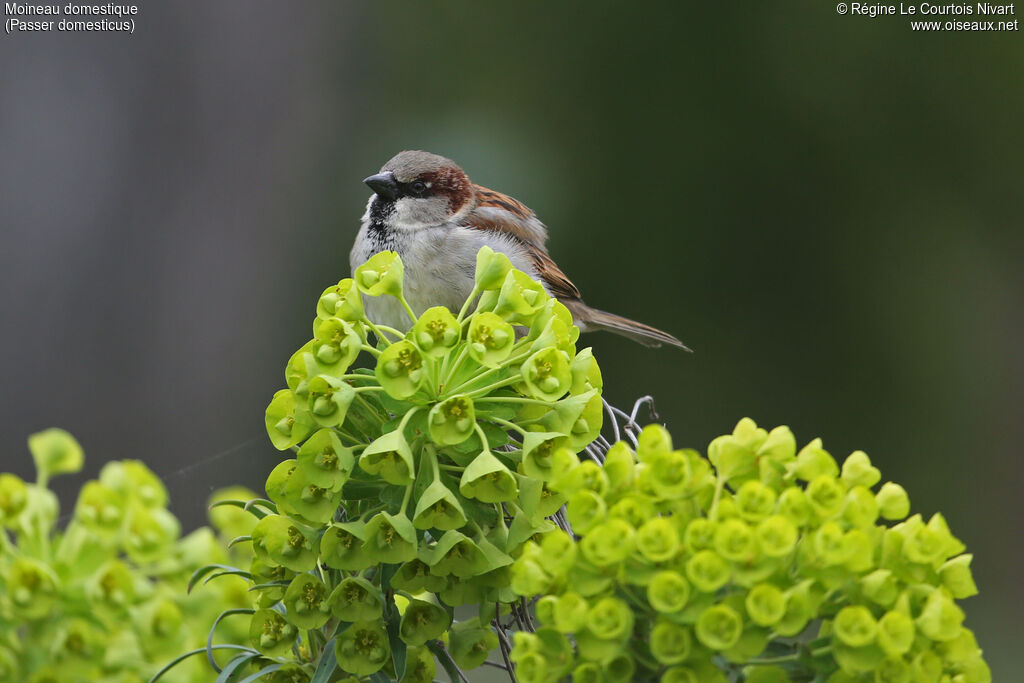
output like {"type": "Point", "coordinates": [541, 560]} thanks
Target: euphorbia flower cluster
{"type": "Point", "coordinates": [760, 563]}
{"type": "Point", "coordinates": [103, 599]}
{"type": "Point", "coordinates": [410, 491]}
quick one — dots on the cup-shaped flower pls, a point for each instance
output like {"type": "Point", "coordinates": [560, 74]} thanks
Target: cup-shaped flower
{"type": "Point", "coordinates": [719, 627]}
{"type": "Point", "coordinates": [880, 586]}
{"type": "Point", "coordinates": [381, 274]}
{"type": "Point", "coordinates": [669, 474]}
{"type": "Point", "coordinates": [112, 586]}
{"type": "Point", "coordinates": [457, 554]}
{"type": "Point", "coordinates": [585, 510]}
{"type": "Point", "coordinates": [531, 667]}
{"type": "Point", "coordinates": [813, 461]}
{"type": "Point", "coordinates": [341, 301]}
{"type": "Point", "coordinates": [390, 538]}
{"type": "Point", "coordinates": [341, 546]}
{"type": "Point", "coordinates": [287, 423]}
{"type": "Point", "coordinates": [941, 618]}
{"type": "Point", "coordinates": [670, 642]}
{"type": "Point", "coordinates": [420, 666]}
{"type": "Point", "coordinates": [414, 577]}
{"type": "Point", "coordinates": [325, 461]}
{"type": "Point", "coordinates": [55, 452]}
{"type": "Point", "coordinates": [658, 540]}
{"type": "Point", "coordinates": [452, 421]}
{"type": "Point", "coordinates": [610, 619]}
{"type": "Point", "coordinates": [700, 534]}
{"type": "Point", "coordinates": [438, 508]}
{"type": "Point", "coordinates": [490, 339]}
{"type": "Point", "coordinates": [608, 543]}
{"type": "Point", "coordinates": [491, 269]}
{"type": "Point", "coordinates": [539, 455]}
{"type": "Point", "coordinates": [422, 621]}
{"type": "Point", "coordinates": [707, 571]}
{"type": "Point", "coordinates": [765, 604]}
{"type": "Point", "coordinates": [31, 587]}
{"type": "Point", "coordinates": [390, 458]}
{"type": "Point", "coordinates": [362, 648]}
{"type": "Point", "coordinates": [957, 578]}
{"type": "Point", "coordinates": [313, 502]}
{"type": "Point", "coordinates": [149, 532]}
{"type": "Point", "coordinates": [271, 633]}
{"type": "Point", "coordinates": [825, 495]}
{"type": "Point", "coordinates": [336, 344]}
{"type": "Point", "coordinates": [755, 501]}
{"type": "Point", "coordinates": [860, 508]}
{"type": "Point", "coordinates": [854, 625]}
{"type": "Point", "coordinates": [668, 592]}
{"type": "Point", "coordinates": [570, 612]}
{"type": "Point", "coordinates": [858, 470]}
{"type": "Point", "coordinates": [801, 606]}
{"type": "Point", "coordinates": [328, 400]}
{"type": "Point", "coordinates": [735, 541]}
{"type": "Point", "coordinates": [400, 369]}
{"type": "Point", "coordinates": [306, 601]}
{"type": "Point", "coordinates": [579, 416]}
{"type": "Point", "coordinates": [356, 599]}
{"type": "Point", "coordinates": [488, 480]}
{"type": "Point", "coordinates": [520, 298]}
{"type": "Point", "coordinates": [14, 497]}
{"type": "Point", "coordinates": [133, 480]}
{"type": "Point", "coordinates": [586, 373]}
{"type": "Point", "coordinates": [436, 332]}
{"type": "Point", "coordinates": [620, 466]}
{"type": "Point", "coordinates": [278, 540]}
{"type": "Point", "coordinates": [273, 580]}
{"type": "Point", "coordinates": [470, 643]}
{"type": "Point", "coordinates": [895, 633]}
{"type": "Point", "coordinates": [546, 374]}
{"type": "Point", "coordinates": [893, 502]}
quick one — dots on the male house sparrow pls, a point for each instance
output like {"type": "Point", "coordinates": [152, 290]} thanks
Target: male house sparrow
{"type": "Point", "coordinates": [426, 209]}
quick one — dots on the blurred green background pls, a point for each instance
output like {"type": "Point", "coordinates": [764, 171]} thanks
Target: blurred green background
{"type": "Point", "coordinates": [827, 209]}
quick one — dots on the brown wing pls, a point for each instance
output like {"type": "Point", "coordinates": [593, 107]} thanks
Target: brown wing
{"type": "Point", "coordinates": [501, 213]}
{"type": "Point", "coordinates": [557, 281]}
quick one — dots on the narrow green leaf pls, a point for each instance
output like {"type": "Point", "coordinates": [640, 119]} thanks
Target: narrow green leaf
{"type": "Point", "coordinates": [327, 665]}
{"type": "Point", "coordinates": [261, 673]}
{"type": "Point", "coordinates": [234, 665]}
{"type": "Point", "coordinates": [180, 658]}
{"type": "Point", "coordinates": [209, 639]}
{"type": "Point", "coordinates": [203, 571]}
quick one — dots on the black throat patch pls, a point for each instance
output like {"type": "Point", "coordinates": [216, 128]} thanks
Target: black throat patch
{"type": "Point", "coordinates": [381, 211]}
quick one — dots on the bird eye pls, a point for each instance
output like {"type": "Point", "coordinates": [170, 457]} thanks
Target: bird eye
{"type": "Point", "coordinates": [418, 186]}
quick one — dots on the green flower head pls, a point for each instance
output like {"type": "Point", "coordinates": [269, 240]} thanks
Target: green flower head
{"type": "Point", "coordinates": [381, 274]}
{"type": "Point", "coordinates": [670, 643]}
{"type": "Point", "coordinates": [55, 452]}
{"type": "Point", "coordinates": [491, 269]}
{"type": "Point", "coordinates": [491, 339]}
{"type": "Point", "coordinates": [313, 502]}
{"type": "Point", "coordinates": [271, 633]}
{"type": "Point", "coordinates": [422, 621]}
{"type": "Point", "coordinates": [341, 301]}
{"type": "Point", "coordinates": [470, 643]}
{"type": "Point", "coordinates": [488, 480]}
{"type": "Point", "coordinates": [719, 627]}
{"type": "Point", "coordinates": [356, 599]}
{"type": "Point", "coordinates": [668, 592]}
{"type": "Point", "coordinates": [31, 587]}
{"type": "Point", "coordinates": [325, 461]}
{"type": "Point", "coordinates": [438, 508]}
{"type": "Point", "coordinates": [277, 540]}
{"type": "Point", "coordinates": [436, 332]}
{"type": "Point", "coordinates": [546, 374]}
{"type": "Point", "coordinates": [341, 546]}
{"type": "Point", "coordinates": [336, 344]}
{"type": "Point", "coordinates": [328, 400]}
{"type": "Point", "coordinates": [520, 298]}
{"type": "Point", "coordinates": [13, 499]}
{"type": "Point", "coordinates": [452, 421]}
{"type": "Point", "coordinates": [400, 370]}
{"type": "Point", "coordinates": [390, 538]}
{"type": "Point", "coordinates": [457, 554]}
{"type": "Point", "coordinates": [390, 458]}
{"type": "Point", "coordinates": [287, 422]}
{"type": "Point", "coordinates": [306, 602]}
{"type": "Point", "coordinates": [133, 480]}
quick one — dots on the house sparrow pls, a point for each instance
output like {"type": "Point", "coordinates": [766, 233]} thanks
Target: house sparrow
{"type": "Point", "coordinates": [426, 209]}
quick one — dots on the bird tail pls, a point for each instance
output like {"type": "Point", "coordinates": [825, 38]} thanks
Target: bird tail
{"type": "Point", "coordinates": [639, 332]}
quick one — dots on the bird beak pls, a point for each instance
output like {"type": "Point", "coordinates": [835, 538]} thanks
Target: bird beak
{"type": "Point", "coordinates": [384, 184]}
